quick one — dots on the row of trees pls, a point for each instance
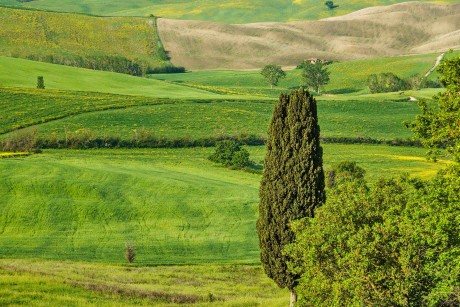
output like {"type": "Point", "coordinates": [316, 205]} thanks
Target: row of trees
{"type": "Point", "coordinates": [389, 82]}
{"type": "Point", "coordinates": [392, 244]}
{"type": "Point", "coordinates": [112, 63]}
{"type": "Point", "coordinates": [314, 75]}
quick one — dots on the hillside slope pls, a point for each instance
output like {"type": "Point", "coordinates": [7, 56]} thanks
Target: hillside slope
{"type": "Point", "coordinates": [400, 29]}
{"type": "Point", "coordinates": [23, 73]}
{"type": "Point", "coordinates": [226, 11]}
{"type": "Point", "coordinates": [114, 44]}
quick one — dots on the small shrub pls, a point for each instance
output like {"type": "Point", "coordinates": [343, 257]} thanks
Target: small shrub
{"type": "Point", "coordinates": [330, 4]}
{"type": "Point", "coordinates": [25, 140]}
{"type": "Point", "coordinates": [130, 253]}
{"type": "Point", "coordinates": [343, 172]}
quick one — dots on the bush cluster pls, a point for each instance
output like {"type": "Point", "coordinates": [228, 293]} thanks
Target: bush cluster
{"type": "Point", "coordinates": [169, 69]}
{"type": "Point", "coordinates": [29, 140]}
{"type": "Point", "coordinates": [229, 153]}
{"type": "Point", "coordinates": [22, 141]}
{"type": "Point", "coordinates": [389, 82]}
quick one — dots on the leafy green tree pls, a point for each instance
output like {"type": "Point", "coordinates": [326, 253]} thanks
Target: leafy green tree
{"type": "Point", "coordinates": [395, 244]}
{"type": "Point", "coordinates": [40, 82]}
{"type": "Point", "coordinates": [230, 153]}
{"type": "Point", "coordinates": [315, 75]}
{"type": "Point", "coordinates": [440, 127]}
{"type": "Point", "coordinates": [273, 74]}
{"type": "Point", "coordinates": [344, 171]}
{"type": "Point", "coordinates": [292, 183]}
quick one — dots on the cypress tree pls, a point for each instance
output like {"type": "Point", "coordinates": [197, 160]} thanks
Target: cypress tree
{"type": "Point", "coordinates": [40, 82]}
{"type": "Point", "coordinates": [293, 180]}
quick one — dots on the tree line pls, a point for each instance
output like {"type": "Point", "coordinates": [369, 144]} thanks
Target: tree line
{"type": "Point", "coordinates": [113, 63]}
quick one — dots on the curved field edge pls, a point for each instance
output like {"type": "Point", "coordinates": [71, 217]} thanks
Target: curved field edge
{"type": "Point", "coordinates": [21, 107]}
{"type": "Point", "coordinates": [372, 33]}
{"type": "Point", "coordinates": [175, 205]}
{"type": "Point", "coordinates": [375, 119]}
{"type": "Point", "coordinates": [228, 11]}
{"type": "Point", "coordinates": [61, 77]}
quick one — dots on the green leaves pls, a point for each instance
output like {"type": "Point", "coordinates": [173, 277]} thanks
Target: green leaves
{"type": "Point", "coordinates": [230, 153]}
{"type": "Point", "coordinates": [315, 74]}
{"type": "Point", "coordinates": [394, 244]}
{"type": "Point", "coordinates": [440, 127]}
{"type": "Point", "coordinates": [273, 74]}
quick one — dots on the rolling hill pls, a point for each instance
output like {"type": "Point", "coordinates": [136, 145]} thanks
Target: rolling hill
{"type": "Point", "coordinates": [122, 44]}
{"type": "Point", "coordinates": [227, 11]}
{"type": "Point", "coordinates": [400, 29]}
{"type": "Point", "coordinates": [23, 73]}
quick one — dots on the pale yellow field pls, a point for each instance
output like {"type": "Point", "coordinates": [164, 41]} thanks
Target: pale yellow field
{"type": "Point", "coordinates": [401, 29]}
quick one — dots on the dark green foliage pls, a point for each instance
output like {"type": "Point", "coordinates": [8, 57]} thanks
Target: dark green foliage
{"type": "Point", "coordinates": [104, 62]}
{"type": "Point", "coordinates": [230, 153]}
{"type": "Point", "coordinates": [386, 82]}
{"type": "Point", "coordinates": [315, 74]}
{"type": "Point", "coordinates": [440, 127]}
{"type": "Point", "coordinates": [293, 180]}
{"type": "Point", "coordinates": [40, 82]}
{"type": "Point", "coordinates": [167, 70]}
{"type": "Point", "coordinates": [273, 74]}
{"type": "Point", "coordinates": [330, 5]}
{"type": "Point", "coordinates": [343, 172]}
{"type": "Point", "coordinates": [395, 244]}
{"type": "Point", "coordinates": [389, 82]}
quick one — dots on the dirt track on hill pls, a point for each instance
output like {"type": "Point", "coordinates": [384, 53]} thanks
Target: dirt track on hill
{"type": "Point", "coordinates": [401, 29]}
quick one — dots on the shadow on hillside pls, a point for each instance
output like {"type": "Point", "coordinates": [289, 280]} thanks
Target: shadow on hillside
{"type": "Point", "coordinates": [343, 91]}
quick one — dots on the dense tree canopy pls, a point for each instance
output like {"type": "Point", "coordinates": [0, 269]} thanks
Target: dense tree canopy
{"type": "Point", "coordinates": [293, 180]}
{"type": "Point", "coordinates": [394, 244]}
{"type": "Point", "coordinates": [440, 127]}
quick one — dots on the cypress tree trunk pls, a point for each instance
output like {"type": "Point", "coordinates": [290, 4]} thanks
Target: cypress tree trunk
{"type": "Point", "coordinates": [293, 299]}
{"type": "Point", "coordinates": [293, 180]}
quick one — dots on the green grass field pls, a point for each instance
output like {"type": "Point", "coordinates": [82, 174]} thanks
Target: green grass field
{"type": "Point", "coordinates": [22, 107]}
{"type": "Point", "coordinates": [381, 120]}
{"type": "Point", "coordinates": [79, 79]}
{"type": "Point", "coordinates": [349, 77]}
{"type": "Point", "coordinates": [45, 283]}
{"type": "Point", "coordinates": [84, 205]}
{"type": "Point", "coordinates": [66, 215]}
{"type": "Point", "coordinates": [228, 11]}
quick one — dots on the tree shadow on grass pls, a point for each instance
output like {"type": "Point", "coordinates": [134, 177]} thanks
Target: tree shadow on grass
{"type": "Point", "coordinates": [343, 91]}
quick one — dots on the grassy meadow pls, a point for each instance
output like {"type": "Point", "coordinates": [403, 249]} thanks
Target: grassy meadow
{"type": "Point", "coordinates": [380, 120]}
{"type": "Point", "coordinates": [85, 205]}
{"type": "Point", "coordinates": [228, 11]}
{"type": "Point", "coordinates": [348, 77]}
{"type": "Point", "coordinates": [44, 283]}
{"type": "Point", "coordinates": [66, 214]}
{"type": "Point", "coordinates": [86, 80]}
